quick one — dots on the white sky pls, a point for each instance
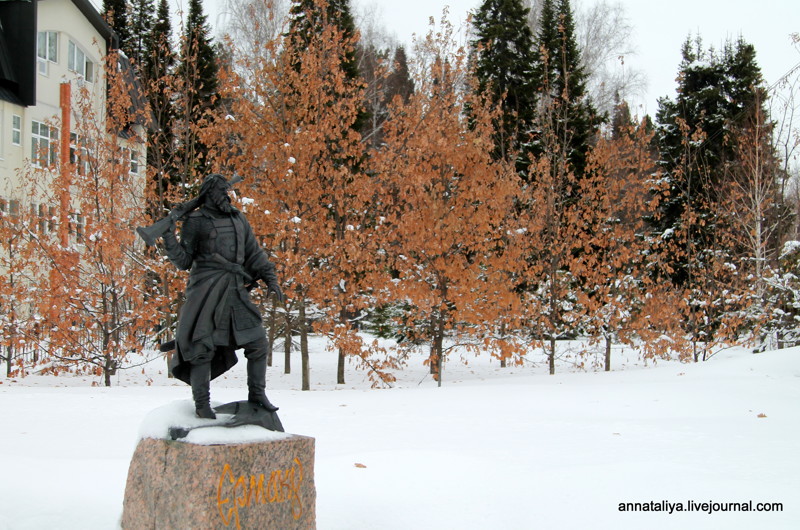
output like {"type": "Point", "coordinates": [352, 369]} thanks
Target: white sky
{"type": "Point", "coordinates": [659, 30]}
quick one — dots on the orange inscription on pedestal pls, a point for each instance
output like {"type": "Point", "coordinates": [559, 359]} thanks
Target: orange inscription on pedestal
{"type": "Point", "coordinates": [235, 493]}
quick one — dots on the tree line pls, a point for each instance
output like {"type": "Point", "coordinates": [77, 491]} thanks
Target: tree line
{"type": "Point", "coordinates": [466, 195]}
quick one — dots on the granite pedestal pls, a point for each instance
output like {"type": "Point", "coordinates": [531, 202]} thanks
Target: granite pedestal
{"type": "Point", "coordinates": [264, 485]}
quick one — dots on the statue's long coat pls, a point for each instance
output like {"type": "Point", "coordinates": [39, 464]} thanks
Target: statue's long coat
{"type": "Point", "coordinates": [218, 315]}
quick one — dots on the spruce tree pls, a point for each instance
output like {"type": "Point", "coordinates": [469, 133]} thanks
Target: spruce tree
{"type": "Point", "coordinates": [159, 58]}
{"type": "Point", "coordinates": [561, 82]}
{"type": "Point", "coordinates": [200, 50]}
{"type": "Point", "coordinates": [198, 69]}
{"type": "Point", "coordinates": [716, 95]}
{"type": "Point", "coordinates": [308, 16]}
{"type": "Point", "coordinates": [158, 75]}
{"type": "Point", "coordinates": [115, 13]}
{"type": "Point", "coordinates": [399, 82]}
{"type": "Point", "coordinates": [504, 58]}
{"type": "Point", "coordinates": [141, 25]}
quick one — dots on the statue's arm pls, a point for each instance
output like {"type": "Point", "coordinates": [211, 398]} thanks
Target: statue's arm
{"type": "Point", "coordinates": [181, 254]}
{"type": "Point", "coordinates": [258, 264]}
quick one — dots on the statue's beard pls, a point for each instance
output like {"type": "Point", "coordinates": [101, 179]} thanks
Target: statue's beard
{"type": "Point", "coordinates": [220, 201]}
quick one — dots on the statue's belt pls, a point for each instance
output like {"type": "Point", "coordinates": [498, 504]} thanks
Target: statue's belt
{"type": "Point", "coordinates": [218, 262]}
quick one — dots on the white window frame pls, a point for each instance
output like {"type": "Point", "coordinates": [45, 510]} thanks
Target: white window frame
{"type": "Point", "coordinates": [46, 50]}
{"type": "Point", "coordinates": [77, 224]}
{"type": "Point", "coordinates": [16, 129]}
{"type": "Point", "coordinates": [45, 218]}
{"type": "Point", "coordinates": [133, 158]}
{"type": "Point", "coordinates": [134, 162]}
{"type": "Point", "coordinates": [79, 62]}
{"type": "Point", "coordinates": [78, 154]}
{"type": "Point", "coordinates": [44, 144]}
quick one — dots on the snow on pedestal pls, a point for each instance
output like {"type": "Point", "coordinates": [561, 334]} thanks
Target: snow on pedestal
{"type": "Point", "coordinates": [217, 477]}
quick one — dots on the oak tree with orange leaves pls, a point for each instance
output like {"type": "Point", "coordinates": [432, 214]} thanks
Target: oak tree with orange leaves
{"type": "Point", "coordinates": [613, 194]}
{"type": "Point", "coordinates": [445, 203]}
{"type": "Point", "coordinates": [288, 127]}
{"type": "Point", "coordinates": [94, 303]}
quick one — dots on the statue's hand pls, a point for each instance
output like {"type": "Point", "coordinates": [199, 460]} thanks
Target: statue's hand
{"type": "Point", "coordinates": [267, 274]}
{"type": "Point", "coordinates": [169, 237]}
{"type": "Point", "coordinates": [275, 288]}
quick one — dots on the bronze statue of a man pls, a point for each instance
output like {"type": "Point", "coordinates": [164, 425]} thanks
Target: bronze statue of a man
{"type": "Point", "coordinates": [218, 317]}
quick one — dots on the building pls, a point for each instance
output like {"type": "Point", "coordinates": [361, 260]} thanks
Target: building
{"type": "Point", "coordinates": [51, 53]}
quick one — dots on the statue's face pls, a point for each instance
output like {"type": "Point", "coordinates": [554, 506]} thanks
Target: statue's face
{"type": "Point", "coordinates": [218, 198]}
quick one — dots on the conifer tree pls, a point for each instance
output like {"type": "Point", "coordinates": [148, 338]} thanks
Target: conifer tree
{"type": "Point", "coordinates": [141, 25]}
{"type": "Point", "coordinates": [504, 59]}
{"type": "Point", "coordinates": [717, 209]}
{"type": "Point", "coordinates": [201, 50]}
{"type": "Point", "coordinates": [116, 14]}
{"type": "Point", "coordinates": [308, 17]}
{"type": "Point", "coordinates": [199, 70]}
{"type": "Point", "coordinates": [716, 95]}
{"type": "Point", "coordinates": [159, 81]}
{"type": "Point", "coordinates": [399, 82]}
{"type": "Point", "coordinates": [561, 82]}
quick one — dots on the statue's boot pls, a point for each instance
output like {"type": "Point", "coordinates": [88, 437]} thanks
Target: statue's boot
{"type": "Point", "coordinates": [200, 378]}
{"type": "Point", "coordinates": [257, 383]}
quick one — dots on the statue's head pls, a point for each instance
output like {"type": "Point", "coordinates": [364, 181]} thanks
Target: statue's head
{"type": "Point", "coordinates": [214, 191]}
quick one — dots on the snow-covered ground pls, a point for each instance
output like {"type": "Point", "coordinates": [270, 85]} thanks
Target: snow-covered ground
{"type": "Point", "coordinates": [494, 448]}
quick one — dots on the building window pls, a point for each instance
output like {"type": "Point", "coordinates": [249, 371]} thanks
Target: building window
{"type": "Point", "coordinates": [133, 156]}
{"type": "Point", "coordinates": [45, 218]}
{"type": "Point", "coordinates": [76, 223]}
{"type": "Point", "coordinates": [134, 162]}
{"type": "Point", "coordinates": [78, 154]}
{"type": "Point", "coordinates": [16, 130]}
{"type": "Point", "coordinates": [47, 50]}
{"type": "Point", "coordinates": [44, 144]}
{"type": "Point", "coordinates": [77, 61]}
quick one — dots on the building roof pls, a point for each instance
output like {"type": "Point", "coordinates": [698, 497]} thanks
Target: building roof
{"type": "Point", "coordinates": [18, 51]}
{"type": "Point", "coordinates": [102, 27]}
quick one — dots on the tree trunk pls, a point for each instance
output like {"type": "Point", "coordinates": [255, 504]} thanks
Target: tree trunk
{"type": "Point", "coordinates": [608, 353]}
{"type": "Point", "coordinates": [304, 346]}
{"type": "Point", "coordinates": [440, 358]}
{"type": "Point", "coordinates": [552, 357]}
{"type": "Point", "coordinates": [287, 344]}
{"type": "Point", "coordinates": [340, 368]}
{"type": "Point", "coordinates": [437, 350]}
{"type": "Point", "coordinates": [107, 365]}
{"type": "Point", "coordinates": [502, 336]}
{"type": "Point", "coordinates": [344, 318]}
{"type": "Point", "coordinates": [432, 360]}
{"type": "Point", "coordinates": [9, 358]}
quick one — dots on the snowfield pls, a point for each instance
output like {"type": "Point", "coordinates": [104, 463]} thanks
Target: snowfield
{"type": "Point", "coordinates": [494, 448]}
